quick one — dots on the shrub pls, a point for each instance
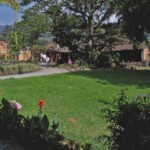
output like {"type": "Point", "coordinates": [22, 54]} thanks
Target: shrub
{"type": "Point", "coordinates": [25, 68]}
{"type": "Point", "coordinates": [81, 62]}
{"type": "Point", "coordinates": [34, 132]}
{"type": "Point", "coordinates": [10, 69]}
{"type": "Point", "coordinates": [106, 59]}
{"type": "Point", "coordinates": [18, 68]}
{"type": "Point", "coordinates": [2, 56]}
{"type": "Point", "coordinates": [129, 123]}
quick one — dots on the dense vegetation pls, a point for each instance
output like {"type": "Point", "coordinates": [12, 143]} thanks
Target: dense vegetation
{"type": "Point", "coordinates": [129, 123]}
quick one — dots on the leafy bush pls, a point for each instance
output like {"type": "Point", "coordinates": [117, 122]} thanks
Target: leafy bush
{"type": "Point", "coordinates": [80, 62]}
{"type": "Point", "coordinates": [18, 68]}
{"type": "Point", "coordinates": [38, 49]}
{"type": "Point", "coordinates": [34, 132]}
{"type": "Point", "coordinates": [105, 59]}
{"type": "Point", "coordinates": [2, 56]}
{"type": "Point", "coordinates": [129, 123]}
{"type": "Point", "coordinates": [25, 68]}
{"type": "Point", "coordinates": [9, 69]}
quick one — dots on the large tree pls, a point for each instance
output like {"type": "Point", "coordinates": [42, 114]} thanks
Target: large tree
{"type": "Point", "coordinates": [33, 25]}
{"type": "Point", "coordinates": [80, 23]}
{"type": "Point", "coordinates": [93, 14]}
{"type": "Point", "coordinates": [134, 16]}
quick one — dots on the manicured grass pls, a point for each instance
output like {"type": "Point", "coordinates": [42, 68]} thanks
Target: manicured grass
{"type": "Point", "coordinates": [77, 97]}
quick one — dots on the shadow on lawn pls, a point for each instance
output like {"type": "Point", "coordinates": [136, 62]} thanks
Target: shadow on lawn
{"type": "Point", "coordinates": [121, 77]}
{"type": "Point", "coordinates": [105, 102]}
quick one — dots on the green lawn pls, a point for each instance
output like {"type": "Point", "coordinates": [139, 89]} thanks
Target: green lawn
{"type": "Point", "coordinates": [76, 96]}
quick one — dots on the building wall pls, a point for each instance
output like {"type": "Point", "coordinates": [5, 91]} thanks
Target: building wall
{"type": "Point", "coordinates": [146, 54]}
{"type": "Point", "coordinates": [21, 56]}
{"type": "Point", "coordinates": [24, 55]}
{"type": "Point", "coordinates": [3, 47]}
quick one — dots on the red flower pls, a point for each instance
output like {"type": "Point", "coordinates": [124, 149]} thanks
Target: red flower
{"type": "Point", "coordinates": [41, 103]}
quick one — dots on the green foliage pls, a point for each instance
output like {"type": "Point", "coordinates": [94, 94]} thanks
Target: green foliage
{"type": "Point", "coordinates": [33, 133]}
{"type": "Point", "coordinates": [13, 43]}
{"type": "Point", "coordinates": [18, 68]}
{"type": "Point", "coordinates": [80, 62]}
{"type": "Point", "coordinates": [134, 17]}
{"type": "Point", "coordinates": [105, 59]}
{"type": "Point", "coordinates": [38, 132]}
{"type": "Point", "coordinates": [27, 67]}
{"type": "Point", "coordinates": [9, 119]}
{"type": "Point", "coordinates": [38, 49]}
{"type": "Point", "coordinates": [5, 35]}
{"type": "Point", "coordinates": [33, 25]}
{"type": "Point", "coordinates": [129, 123]}
{"type": "Point", "coordinates": [69, 32]}
{"type": "Point", "coordinates": [81, 25]}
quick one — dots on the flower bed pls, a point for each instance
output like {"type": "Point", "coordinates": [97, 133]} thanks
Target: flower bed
{"type": "Point", "coordinates": [34, 132]}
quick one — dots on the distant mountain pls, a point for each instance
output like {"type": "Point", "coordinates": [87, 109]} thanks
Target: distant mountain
{"type": "Point", "coordinates": [2, 27]}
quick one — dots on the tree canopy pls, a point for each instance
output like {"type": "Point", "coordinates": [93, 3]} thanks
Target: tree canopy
{"type": "Point", "coordinates": [33, 25]}
{"type": "Point", "coordinates": [82, 24]}
{"type": "Point", "coordinates": [134, 16]}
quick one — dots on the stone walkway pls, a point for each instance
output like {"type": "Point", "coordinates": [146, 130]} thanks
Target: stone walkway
{"type": "Point", "coordinates": [42, 72]}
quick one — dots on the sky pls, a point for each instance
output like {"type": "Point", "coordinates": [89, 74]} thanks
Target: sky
{"type": "Point", "coordinates": [7, 15]}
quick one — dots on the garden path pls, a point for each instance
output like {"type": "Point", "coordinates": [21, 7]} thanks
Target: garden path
{"type": "Point", "coordinates": [43, 71]}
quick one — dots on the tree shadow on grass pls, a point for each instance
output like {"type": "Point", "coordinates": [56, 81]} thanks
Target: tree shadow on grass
{"type": "Point", "coordinates": [105, 102]}
{"type": "Point", "coordinates": [121, 77]}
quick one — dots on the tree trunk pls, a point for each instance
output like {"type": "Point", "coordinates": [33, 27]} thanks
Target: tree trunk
{"type": "Point", "coordinates": [15, 28]}
{"type": "Point", "coordinates": [90, 25]}
{"type": "Point", "coordinates": [90, 30]}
